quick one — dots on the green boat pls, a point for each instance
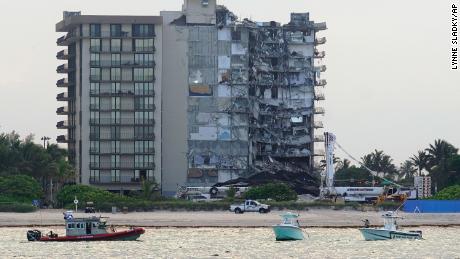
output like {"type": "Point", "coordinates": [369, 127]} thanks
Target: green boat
{"type": "Point", "coordinates": [390, 230]}
{"type": "Point", "coordinates": [289, 228]}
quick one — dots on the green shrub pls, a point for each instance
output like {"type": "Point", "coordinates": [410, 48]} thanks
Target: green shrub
{"type": "Point", "coordinates": [86, 193]}
{"type": "Point", "coordinates": [20, 188]}
{"type": "Point", "coordinates": [275, 191]}
{"type": "Point", "coordinates": [16, 207]}
{"type": "Point", "coordinates": [448, 193]}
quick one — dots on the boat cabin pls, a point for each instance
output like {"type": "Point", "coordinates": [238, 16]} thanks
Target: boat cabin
{"type": "Point", "coordinates": [389, 221]}
{"type": "Point", "coordinates": [289, 219]}
{"type": "Point", "coordinates": [84, 226]}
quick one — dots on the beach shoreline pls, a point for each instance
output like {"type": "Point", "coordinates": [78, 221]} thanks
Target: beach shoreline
{"type": "Point", "coordinates": [322, 218]}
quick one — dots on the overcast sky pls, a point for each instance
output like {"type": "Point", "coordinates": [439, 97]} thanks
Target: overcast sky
{"type": "Point", "coordinates": [390, 86]}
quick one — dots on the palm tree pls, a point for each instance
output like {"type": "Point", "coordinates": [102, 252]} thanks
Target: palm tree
{"type": "Point", "coordinates": [439, 153]}
{"type": "Point", "coordinates": [380, 162]}
{"type": "Point", "coordinates": [406, 170]}
{"type": "Point", "coordinates": [420, 160]}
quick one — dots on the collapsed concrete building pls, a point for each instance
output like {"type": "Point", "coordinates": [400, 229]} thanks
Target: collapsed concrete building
{"type": "Point", "coordinates": [199, 97]}
{"type": "Point", "coordinates": [253, 92]}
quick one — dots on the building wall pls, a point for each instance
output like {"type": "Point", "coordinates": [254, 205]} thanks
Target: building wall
{"type": "Point", "coordinates": [158, 100]}
{"type": "Point", "coordinates": [84, 106]}
{"type": "Point", "coordinates": [174, 104]}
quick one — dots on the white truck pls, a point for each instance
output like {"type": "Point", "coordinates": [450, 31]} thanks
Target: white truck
{"type": "Point", "coordinates": [250, 206]}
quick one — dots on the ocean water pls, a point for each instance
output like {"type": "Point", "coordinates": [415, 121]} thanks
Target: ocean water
{"type": "Point", "coordinates": [438, 242]}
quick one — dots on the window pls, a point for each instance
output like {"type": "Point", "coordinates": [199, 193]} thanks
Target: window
{"type": "Point", "coordinates": [116, 147]}
{"type": "Point", "coordinates": [116, 59]}
{"type": "Point", "coordinates": [115, 88]}
{"type": "Point", "coordinates": [143, 88]}
{"type": "Point", "coordinates": [115, 45]}
{"type": "Point", "coordinates": [94, 132]}
{"type": "Point", "coordinates": [143, 117]}
{"type": "Point", "coordinates": [115, 117]}
{"type": "Point", "coordinates": [94, 103]}
{"type": "Point", "coordinates": [143, 30]}
{"type": "Point", "coordinates": [143, 103]}
{"type": "Point", "coordinates": [145, 45]}
{"type": "Point", "coordinates": [143, 146]}
{"type": "Point", "coordinates": [94, 88]}
{"type": "Point", "coordinates": [115, 30]}
{"type": "Point", "coordinates": [205, 3]}
{"type": "Point", "coordinates": [95, 73]}
{"type": "Point", "coordinates": [143, 161]}
{"type": "Point", "coordinates": [115, 103]}
{"type": "Point", "coordinates": [143, 59]}
{"type": "Point", "coordinates": [143, 132]}
{"type": "Point", "coordinates": [94, 116]}
{"type": "Point", "coordinates": [94, 160]}
{"type": "Point", "coordinates": [94, 175]}
{"type": "Point", "coordinates": [115, 73]}
{"type": "Point", "coordinates": [143, 74]}
{"type": "Point", "coordinates": [115, 175]}
{"type": "Point", "coordinates": [94, 146]}
{"type": "Point", "coordinates": [115, 132]}
{"type": "Point", "coordinates": [95, 30]}
{"type": "Point", "coordinates": [95, 59]}
{"type": "Point", "coordinates": [95, 45]}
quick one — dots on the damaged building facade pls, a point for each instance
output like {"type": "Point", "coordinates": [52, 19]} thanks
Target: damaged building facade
{"type": "Point", "coordinates": [231, 98]}
{"type": "Point", "coordinates": [252, 93]}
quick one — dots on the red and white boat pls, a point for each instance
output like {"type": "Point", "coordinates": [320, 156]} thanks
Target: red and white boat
{"type": "Point", "coordinates": [86, 229]}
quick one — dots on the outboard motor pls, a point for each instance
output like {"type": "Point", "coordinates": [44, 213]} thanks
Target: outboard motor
{"type": "Point", "coordinates": [34, 235]}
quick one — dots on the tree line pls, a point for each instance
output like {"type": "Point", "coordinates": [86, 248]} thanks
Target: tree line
{"type": "Point", "coordinates": [22, 157]}
{"type": "Point", "coordinates": [439, 160]}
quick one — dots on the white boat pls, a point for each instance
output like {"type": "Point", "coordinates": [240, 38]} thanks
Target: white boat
{"type": "Point", "coordinates": [390, 230]}
{"type": "Point", "coordinates": [289, 228]}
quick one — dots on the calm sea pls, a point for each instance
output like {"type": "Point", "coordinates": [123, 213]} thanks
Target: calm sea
{"type": "Point", "coordinates": [237, 243]}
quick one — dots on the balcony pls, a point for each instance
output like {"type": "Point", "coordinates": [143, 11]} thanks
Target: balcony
{"type": "Point", "coordinates": [108, 63]}
{"type": "Point", "coordinates": [319, 96]}
{"type": "Point", "coordinates": [319, 110]}
{"type": "Point", "coordinates": [63, 139]}
{"type": "Point", "coordinates": [63, 125]}
{"type": "Point", "coordinates": [63, 54]}
{"type": "Point", "coordinates": [321, 82]}
{"type": "Point", "coordinates": [320, 26]}
{"type": "Point", "coordinates": [62, 97]}
{"type": "Point", "coordinates": [124, 179]}
{"type": "Point", "coordinates": [64, 82]}
{"type": "Point", "coordinates": [67, 39]}
{"type": "Point", "coordinates": [318, 124]}
{"type": "Point", "coordinates": [64, 110]}
{"type": "Point", "coordinates": [122, 165]}
{"type": "Point", "coordinates": [321, 68]}
{"type": "Point", "coordinates": [64, 69]}
{"type": "Point", "coordinates": [318, 138]}
{"type": "Point", "coordinates": [320, 41]}
{"type": "Point", "coordinates": [319, 153]}
{"type": "Point", "coordinates": [319, 54]}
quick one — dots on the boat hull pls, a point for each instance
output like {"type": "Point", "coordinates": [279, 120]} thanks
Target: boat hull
{"type": "Point", "coordinates": [127, 235]}
{"type": "Point", "coordinates": [285, 233]}
{"type": "Point", "coordinates": [373, 234]}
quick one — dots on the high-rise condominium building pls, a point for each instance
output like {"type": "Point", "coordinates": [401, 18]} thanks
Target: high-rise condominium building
{"type": "Point", "coordinates": [190, 97]}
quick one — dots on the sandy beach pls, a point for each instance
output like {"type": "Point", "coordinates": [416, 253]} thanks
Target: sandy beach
{"type": "Point", "coordinates": [311, 218]}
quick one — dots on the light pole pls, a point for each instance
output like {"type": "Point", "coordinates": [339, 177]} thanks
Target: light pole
{"type": "Point", "coordinates": [45, 138]}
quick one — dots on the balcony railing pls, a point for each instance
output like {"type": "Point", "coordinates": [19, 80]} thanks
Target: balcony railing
{"type": "Point", "coordinates": [63, 125]}
{"type": "Point", "coordinates": [319, 138]}
{"type": "Point", "coordinates": [124, 179]}
{"type": "Point", "coordinates": [62, 110]}
{"type": "Point", "coordinates": [62, 97]}
{"type": "Point", "coordinates": [321, 82]}
{"type": "Point", "coordinates": [319, 110]}
{"type": "Point", "coordinates": [319, 96]}
{"type": "Point", "coordinates": [321, 40]}
{"type": "Point", "coordinates": [104, 63]}
{"type": "Point", "coordinates": [63, 139]}
{"type": "Point", "coordinates": [64, 68]}
{"type": "Point", "coordinates": [63, 54]}
{"type": "Point", "coordinates": [122, 165]}
{"type": "Point", "coordinates": [318, 124]}
{"type": "Point", "coordinates": [64, 82]}
{"type": "Point", "coordinates": [320, 26]}
{"type": "Point", "coordinates": [321, 68]}
{"type": "Point", "coordinates": [320, 54]}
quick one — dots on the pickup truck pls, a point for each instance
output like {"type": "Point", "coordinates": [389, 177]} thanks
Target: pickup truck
{"type": "Point", "coordinates": [250, 206]}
